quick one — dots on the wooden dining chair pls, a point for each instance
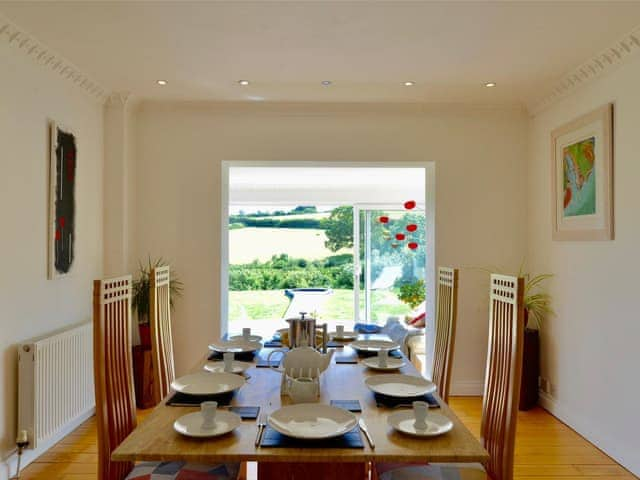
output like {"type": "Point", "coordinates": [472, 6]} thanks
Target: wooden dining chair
{"type": "Point", "coordinates": [501, 393]}
{"type": "Point", "coordinates": [446, 316]}
{"type": "Point", "coordinates": [115, 396]}
{"type": "Point", "coordinates": [161, 338]}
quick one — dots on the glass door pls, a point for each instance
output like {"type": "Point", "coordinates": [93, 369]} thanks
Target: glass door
{"type": "Point", "coordinates": [389, 249]}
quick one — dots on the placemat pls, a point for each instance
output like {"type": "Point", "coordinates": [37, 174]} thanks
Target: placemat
{"type": "Point", "coordinates": [365, 354]}
{"type": "Point", "coordinates": [351, 405]}
{"type": "Point", "coordinates": [272, 438]}
{"type": "Point", "coordinates": [263, 363]}
{"type": "Point", "coordinates": [179, 399]}
{"type": "Point", "coordinates": [343, 357]}
{"type": "Point", "coordinates": [246, 413]}
{"type": "Point", "coordinates": [390, 402]}
{"type": "Point", "coordinates": [242, 356]}
{"type": "Point", "coordinates": [272, 344]}
{"type": "Point", "coordinates": [334, 344]}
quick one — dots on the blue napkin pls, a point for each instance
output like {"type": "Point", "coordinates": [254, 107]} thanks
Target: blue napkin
{"type": "Point", "coordinates": [366, 328]}
{"type": "Point", "coordinates": [272, 438]}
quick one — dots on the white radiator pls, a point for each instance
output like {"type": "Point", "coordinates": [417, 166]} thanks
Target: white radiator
{"type": "Point", "coordinates": [55, 384]}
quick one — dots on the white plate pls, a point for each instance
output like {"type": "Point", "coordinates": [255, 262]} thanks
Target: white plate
{"type": "Point", "coordinates": [191, 424]}
{"type": "Point", "coordinates": [374, 345]}
{"type": "Point", "coordinates": [345, 336]}
{"type": "Point", "coordinates": [205, 383]}
{"type": "Point", "coordinates": [235, 346]}
{"type": "Point", "coordinates": [392, 363]}
{"type": "Point", "coordinates": [312, 421]}
{"type": "Point", "coordinates": [218, 367]}
{"type": "Point", "coordinates": [252, 338]}
{"type": "Point", "coordinates": [401, 386]}
{"type": "Point", "coordinates": [403, 421]}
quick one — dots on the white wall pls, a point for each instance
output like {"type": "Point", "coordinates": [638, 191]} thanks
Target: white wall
{"type": "Point", "coordinates": [480, 162]}
{"type": "Point", "coordinates": [31, 95]}
{"type": "Point", "coordinates": [590, 348]}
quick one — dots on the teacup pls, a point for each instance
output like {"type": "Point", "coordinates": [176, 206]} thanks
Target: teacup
{"type": "Point", "coordinates": [208, 410]}
{"type": "Point", "coordinates": [303, 390]}
{"type": "Point", "coordinates": [246, 334]}
{"type": "Point", "coordinates": [228, 358]}
{"type": "Point", "coordinates": [420, 411]}
{"type": "Point", "coordinates": [382, 358]}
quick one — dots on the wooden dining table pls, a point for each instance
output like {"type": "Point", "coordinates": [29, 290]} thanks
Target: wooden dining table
{"type": "Point", "coordinates": [156, 440]}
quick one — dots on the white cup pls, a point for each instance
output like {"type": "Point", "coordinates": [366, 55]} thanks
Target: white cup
{"type": "Point", "coordinates": [228, 358]}
{"type": "Point", "coordinates": [340, 331]}
{"type": "Point", "coordinates": [303, 390]}
{"type": "Point", "coordinates": [420, 411]}
{"type": "Point", "coordinates": [246, 333]}
{"type": "Point", "coordinates": [208, 410]}
{"type": "Point", "coordinates": [382, 358]}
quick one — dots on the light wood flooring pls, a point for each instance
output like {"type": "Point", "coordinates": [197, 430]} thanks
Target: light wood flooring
{"type": "Point", "coordinates": [545, 449]}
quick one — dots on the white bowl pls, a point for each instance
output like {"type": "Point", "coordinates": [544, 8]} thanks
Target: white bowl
{"type": "Point", "coordinates": [312, 421]}
{"type": "Point", "coordinates": [191, 424]}
{"type": "Point", "coordinates": [235, 346]}
{"type": "Point", "coordinates": [205, 383]}
{"type": "Point", "coordinates": [374, 345]}
{"type": "Point", "coordinates": [252, 338]}
{"type": "Point", "coordinates": [398, 385]}
{"type": "Point", "coordinates": [403, 421]}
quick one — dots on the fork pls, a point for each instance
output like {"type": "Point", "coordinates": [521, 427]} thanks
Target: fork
{"type": "Point", "coordinates": [261, 423]}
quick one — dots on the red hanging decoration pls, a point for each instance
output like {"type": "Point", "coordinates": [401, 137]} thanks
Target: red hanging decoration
{"type": "Point", "coordinates": [412, 227]}
{"type": "Point", "coordinates": [410, 205]}
{"type": "Point", "coordinates": [383, 219]}
{"type": "Point", "coordinates": [412, 245]}
{"type": "Point", "coordinates": [399, 236]}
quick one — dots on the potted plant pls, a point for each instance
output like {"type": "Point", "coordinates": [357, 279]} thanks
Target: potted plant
{"type": "Point", "coordinates": [140, 296]}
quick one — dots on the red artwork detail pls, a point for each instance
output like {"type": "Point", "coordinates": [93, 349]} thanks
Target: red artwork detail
{"type": "Point", "coordinates": [399, 236]}
{"type": "Point", "coordinates": [410, 205]}
{"type": "Point", "coordinates": [412, 227]}
{"type": "Point", "coordinates": [412, 245]}
{"type": "Point", "coordinates": [69, 169]}
{"type": "Point", "coordinates": [61, 221]}
{"type": "Point", "coordinates": [567, 196]}
{"type": "Point", "coordinates": [58, 234]}
{"type": "Point", "coordinates": [383, 219]}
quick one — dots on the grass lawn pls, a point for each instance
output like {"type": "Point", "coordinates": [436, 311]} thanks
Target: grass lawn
{"type": "Point", "coordinates": [265, 304]}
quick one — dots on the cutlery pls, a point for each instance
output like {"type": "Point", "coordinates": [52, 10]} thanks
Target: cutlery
{"type": "Point", "coordinates": [363, 427]}
{"type": "Point", "coordinates": [262, 423]}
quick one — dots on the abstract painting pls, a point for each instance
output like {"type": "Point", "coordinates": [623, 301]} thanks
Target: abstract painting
{"type": "Point", "coordinates": [582, 160]}
{"type": "Point", "coordinates": [62, 200]}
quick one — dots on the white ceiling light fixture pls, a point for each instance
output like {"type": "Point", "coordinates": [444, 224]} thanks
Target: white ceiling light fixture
{"type": "Point", "coordinates": [409, 84]}
{"type": "Point", "coordinates": [326, 83]}
{"type": "Point", "coordinates": [244, 83]}
{"type": "Point", "coordinates": [490, 84]}
{"type": "Point", "coordinates": [161, 82]}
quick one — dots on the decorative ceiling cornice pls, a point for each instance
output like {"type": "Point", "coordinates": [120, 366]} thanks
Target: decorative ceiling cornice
{"type": "Point", "coordinates": [602, 63]}
{"type": "Point", "coordinates": [42, 54]}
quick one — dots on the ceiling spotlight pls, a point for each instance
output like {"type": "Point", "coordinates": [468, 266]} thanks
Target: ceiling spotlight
{"type": "Point", "coordinates": [243, 82]}
{"type": "Point", "coordinates": [326, 83]}
{"type": "Point", "coordinates": [161, 82]}
{"type": "Point", "coordinates": [490, 84]}
{"type": "Point", "coordinates": [409, 84]}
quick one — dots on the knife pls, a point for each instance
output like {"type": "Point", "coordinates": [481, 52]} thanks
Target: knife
{"type": "Point", "coordinates": [262, 422]}
{"type": "Point", "coordinates": [363, 427]}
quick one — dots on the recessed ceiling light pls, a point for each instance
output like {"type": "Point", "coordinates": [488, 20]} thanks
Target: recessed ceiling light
{"type": "Point", "coordinates": [162, 82]}
{"type": "Point", "coordinates": [490, 84]}
{"type": "Point", "coordinates": [326, 83]}
{"type": "Point", "coordinates": [243, 82]}
{"type": "Point", "coordinates": [409, 84]}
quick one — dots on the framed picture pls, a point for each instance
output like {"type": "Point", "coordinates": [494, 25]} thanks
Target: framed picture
{"type": "Point", "coordinates": [582, 177]}
{"type": "Point", "coordinates": [62, 200]}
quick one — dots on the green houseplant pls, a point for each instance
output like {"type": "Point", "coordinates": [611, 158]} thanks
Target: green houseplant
{"type": "Point", "coordinates": [412, 293]}
{"type": "Point", "coordinates": [140, 302]}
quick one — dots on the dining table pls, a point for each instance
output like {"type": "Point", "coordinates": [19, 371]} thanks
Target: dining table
{"type": "Point", "coordinates": [155, 439]}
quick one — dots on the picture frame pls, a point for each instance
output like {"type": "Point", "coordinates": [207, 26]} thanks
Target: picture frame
{"type": "Point", "coordinates": [582, 177]}
{"type": "Point", "coordinates": [63, 156]}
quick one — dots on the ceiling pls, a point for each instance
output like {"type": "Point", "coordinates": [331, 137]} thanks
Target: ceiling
{"type": "Point", "coordinates": [367, 49]}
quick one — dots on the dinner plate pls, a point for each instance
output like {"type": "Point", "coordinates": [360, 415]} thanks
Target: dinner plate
{"type": "Point", "coordinates": [392, 364]}
{"type": "Point", "coordinates": [191, 424]}
{"type": "Point", "coordinates": [206, 383]}
{"type": "Point", "coordinates": [218, 367]}
{"type": "Point", "coordinates": [312, 421]}
{"type": "Point", "coordinates": [345, 336]}
{"type": "Point", "coordinates": [235, 346]}
{"type": "Point", "coordinates": [404, 420]}
{"type": "Point", "coordinates": [252, 338]}
{"type": "Point", "coordinates": [398, 385]}
{"type": "Point", "coordinates": [374, 345]}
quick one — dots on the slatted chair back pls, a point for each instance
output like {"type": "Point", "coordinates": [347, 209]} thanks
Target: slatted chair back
{"type": "Point", "coordinates": [113, 370]}
{"type": "Point", "coordinates": [161, 338]}
{"type": "Point", "coordinates": [503, 374]}
{"type": "Point", "coordinates": [446, 315]}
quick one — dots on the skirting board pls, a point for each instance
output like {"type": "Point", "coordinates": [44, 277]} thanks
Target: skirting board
{"type": "Point", "coordinates": [8, 466]}
{"type": "Point", "coordinates": [469, 388]}
{"type": "Point", "coordinates": [626, 455]}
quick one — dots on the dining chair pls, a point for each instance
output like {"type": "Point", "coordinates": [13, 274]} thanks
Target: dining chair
{"type": "Point", "coordinates": [161, 338]}
{"type": "Point", "coordinates": [501, 394]}
{"type": "Point", "coordinates": [114, 391]}
{"type": "Point", "coordinates": [446, 316]}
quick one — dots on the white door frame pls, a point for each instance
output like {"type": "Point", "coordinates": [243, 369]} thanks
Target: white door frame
{"type": "Point", "coordinates": [430, 221]}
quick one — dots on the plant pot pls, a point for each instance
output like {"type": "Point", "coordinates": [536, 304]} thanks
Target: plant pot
{"type": "Point", "coordinates": [530, 369]}
{"type": "Point", "coordinates": [145, 334]}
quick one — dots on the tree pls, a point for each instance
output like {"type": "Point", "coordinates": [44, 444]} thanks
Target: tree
{"type": "Point", "coordinates": [339, 229]}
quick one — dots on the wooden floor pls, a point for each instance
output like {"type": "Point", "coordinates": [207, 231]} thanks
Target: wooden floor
{"type": "Point", "coordinates": [545, 449]}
